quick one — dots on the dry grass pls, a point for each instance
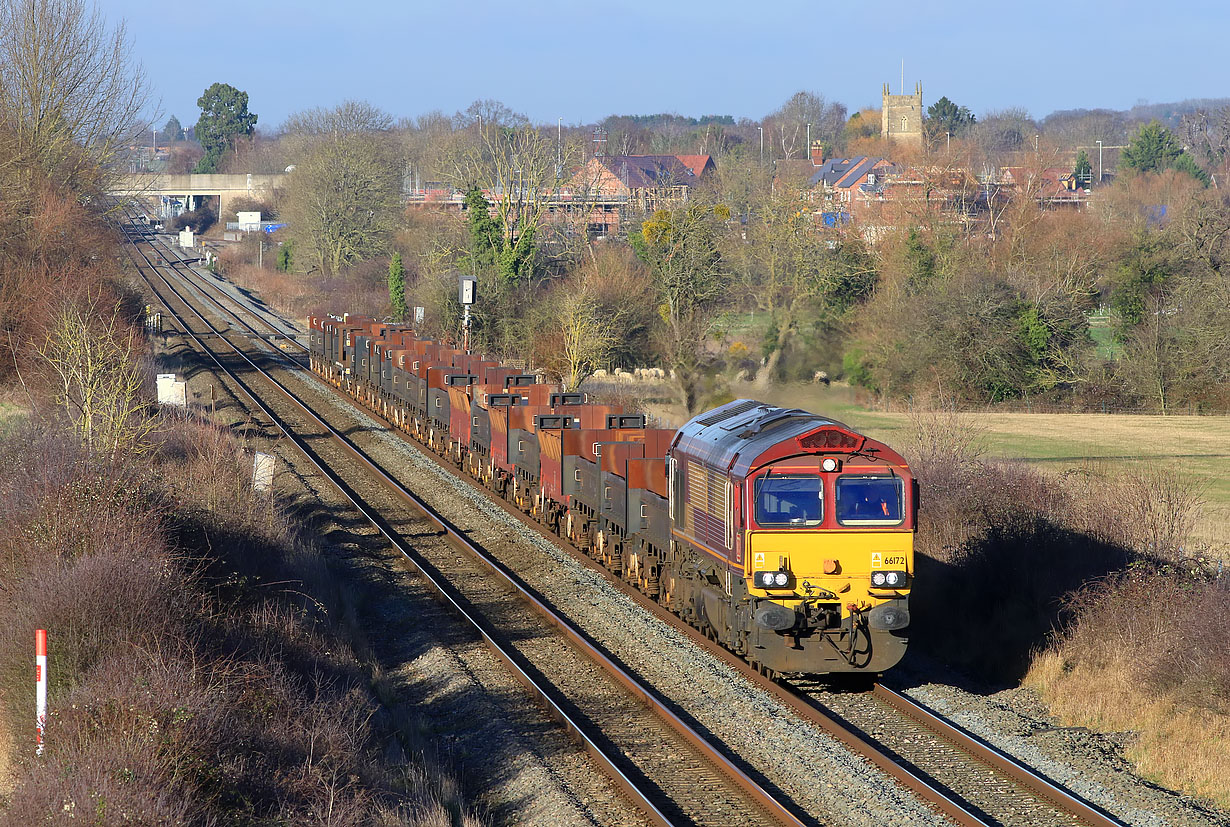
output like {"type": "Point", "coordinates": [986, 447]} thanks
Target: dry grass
{"type": "Point", "coordinates": [296, 295]}
{"type": "Point", "coordinates": [1147, 652]}
{"type": "Point", "coordinates": [7, 747]}
{"type": "Point", "coordinates": [1176, 745]}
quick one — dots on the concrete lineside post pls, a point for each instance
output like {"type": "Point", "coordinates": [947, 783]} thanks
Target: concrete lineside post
{"type": "Point", "coordinates": [40, 687]}
{"type": "Point", "coordinates": [263, 466]}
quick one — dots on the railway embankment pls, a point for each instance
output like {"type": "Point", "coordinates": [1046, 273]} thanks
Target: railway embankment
{"type": "Point", "coordinates": [195, 669]}
{"type": "Point", "coordinates": [200, 670]}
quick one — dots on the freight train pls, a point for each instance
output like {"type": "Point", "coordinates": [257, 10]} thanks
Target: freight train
{"type": "Point", "coordinates": [784, 535]}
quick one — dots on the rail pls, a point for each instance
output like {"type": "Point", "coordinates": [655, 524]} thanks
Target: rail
{"type": "Point", "coordinates": [778, 810]}
{"type": "Point", "coordinates": [933, 793]}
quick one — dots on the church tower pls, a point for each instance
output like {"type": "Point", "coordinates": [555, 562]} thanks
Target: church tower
{"type": "Point", "coordinates": [901, 117]}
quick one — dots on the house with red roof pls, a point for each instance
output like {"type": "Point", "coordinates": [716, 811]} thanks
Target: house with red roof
{"type": "Point", "coordinates": [644, 182]}
{"type": "Point", "coordinates": [608, 188]}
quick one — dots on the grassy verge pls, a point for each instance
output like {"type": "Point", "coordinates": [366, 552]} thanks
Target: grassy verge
{"type": "Point", "coordinates": [1056, 444]}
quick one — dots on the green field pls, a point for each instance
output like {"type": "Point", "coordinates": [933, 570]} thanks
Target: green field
{"type": "Point", "coordinates": [1059, 442]}
{"type": "Point", "coordinates": [11, 415]}
{"type": "Point", "coordinates": [1103, 336]}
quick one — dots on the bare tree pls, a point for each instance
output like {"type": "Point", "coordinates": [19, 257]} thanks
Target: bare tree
{"type": "Point", "coordinates": [587, 336]}
{"type": "Point", "coordinates": [342, 200]}
{"type": "Point", "coordinates": [70, 92]}
{"type": "Point", "coordinates": [787, 126]}
{"type": "Point", "coordinates": [427, 144]}
{"type": "Point", "coordinates": [692, 280]}
{"type": "Point", "coordinates": [1207, 134]}
{"type": "Point", "coordinates": [92, 354]}
{"type": "Point", "coordinates": [490, 113]}
{"type": "Point", "coordinates": [518, 169]}
{"type": "Point", "coordinates": [346, 118]}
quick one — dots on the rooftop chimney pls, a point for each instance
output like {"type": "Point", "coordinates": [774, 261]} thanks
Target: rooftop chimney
{"type": "Point", "coordinates": [817, 153]}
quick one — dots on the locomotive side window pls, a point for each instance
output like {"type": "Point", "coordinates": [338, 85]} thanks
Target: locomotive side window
{"type": "Point", "coordinates": [789, 500]}
{"type": "Point", "coordinates": [869, 501]}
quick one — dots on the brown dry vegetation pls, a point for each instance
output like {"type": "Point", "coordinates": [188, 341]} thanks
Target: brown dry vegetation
{"type": "Point", "coordinates": [297, 295]}
{"type": "Point", "coordinates": [1148, 653]}
{"type": "Point", "coordinates": [194, 675]}
{"type": "Point", "coordinates": [1087, 585]}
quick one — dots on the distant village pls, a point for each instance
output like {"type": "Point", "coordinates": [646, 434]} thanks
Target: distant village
{"type": "Point", "coordinates": [865, 194]}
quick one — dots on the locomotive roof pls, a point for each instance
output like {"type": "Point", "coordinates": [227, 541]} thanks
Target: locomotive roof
{"type": "Point", "coordinates": [736, 435]}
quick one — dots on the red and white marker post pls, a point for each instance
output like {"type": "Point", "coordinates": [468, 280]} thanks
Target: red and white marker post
{"type": "Point", "coordinates": [40, 685]}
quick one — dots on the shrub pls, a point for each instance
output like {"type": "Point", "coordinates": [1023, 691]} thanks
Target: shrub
{"type": "Point", "coordinates": [198, 220]}
{"type": "Point", "coordinates": [1147, 652]}
{"type": "Point", "coordinates": [998, 549]}
{"type": "Point", "coordinates": [185, 689]}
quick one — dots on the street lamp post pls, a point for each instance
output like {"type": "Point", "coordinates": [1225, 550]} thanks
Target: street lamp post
{"type": "Point", "coordinates": [761, 128]}
{"type": "Point", "coordinates": [1099, 162]}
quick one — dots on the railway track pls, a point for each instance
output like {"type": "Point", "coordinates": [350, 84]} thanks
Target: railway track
{"type": "Point", "coordinates": [962, 777]}
{"type": "Point", "coordinates": [671, 772]}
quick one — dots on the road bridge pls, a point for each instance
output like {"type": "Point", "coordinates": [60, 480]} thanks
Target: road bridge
{"type": "Point", "coordinates": [225, 187]}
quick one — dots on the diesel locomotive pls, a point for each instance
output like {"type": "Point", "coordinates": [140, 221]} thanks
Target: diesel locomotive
{"type": "Point", "coordinates": [784, 535]}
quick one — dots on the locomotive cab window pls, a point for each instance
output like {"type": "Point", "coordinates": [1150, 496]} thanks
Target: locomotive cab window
{"type": "Point", "coordinates": [869, 500]}
{"type": "Point", "coordinates": [789, 500]}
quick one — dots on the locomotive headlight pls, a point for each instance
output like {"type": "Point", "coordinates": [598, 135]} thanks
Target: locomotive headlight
{"type": "Point", "coordinates": [828, 464]}
{"type": "Point", "coordinates": [771, 579]}
{"type": "Point", "coordinates": [888, 579]}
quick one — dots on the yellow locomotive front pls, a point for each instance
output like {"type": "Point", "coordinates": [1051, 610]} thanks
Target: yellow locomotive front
{"type": "Point", "coordinates": [821, 555]}
{"type": "Point", "coordinates": [830, 558]}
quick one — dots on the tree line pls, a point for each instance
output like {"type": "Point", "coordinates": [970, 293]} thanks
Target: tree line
{"type": "Point", "coordinates": [1009, 302]}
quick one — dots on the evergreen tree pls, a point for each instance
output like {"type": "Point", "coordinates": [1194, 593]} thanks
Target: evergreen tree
{"type": "Point", "coordinates": [1186, 163]}
{"type": "Point", "coordinates": [224, 114]}
{"type": "Point", "coordinates": [1083, 169]}
{"type": "Point", "coordinates": [946, 118]}
{"type": "Point", "coordinates": [397, 288]}
{"type": "Point", "coordinates": [919, 260]}
{"type": "Point", "coordinates": [1152, 149]}
{"type": "Point", "coordinates": [486, 240]}
{"type": "Point", "coordinates": [286, 256]}
{"type": "Point", "coordinates": [173, 131]}
{"type": "Point", "coordinates": [514, 261]}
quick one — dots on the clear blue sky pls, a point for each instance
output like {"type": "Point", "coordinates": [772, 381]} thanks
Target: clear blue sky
{"type": "Point", "coordinates": [582, 60]}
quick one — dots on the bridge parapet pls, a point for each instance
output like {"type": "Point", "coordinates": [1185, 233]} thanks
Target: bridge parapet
{"type": "Point", "coordinates": [224, 186]}
{"type": "Point", "coordinates": [198, 184]}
